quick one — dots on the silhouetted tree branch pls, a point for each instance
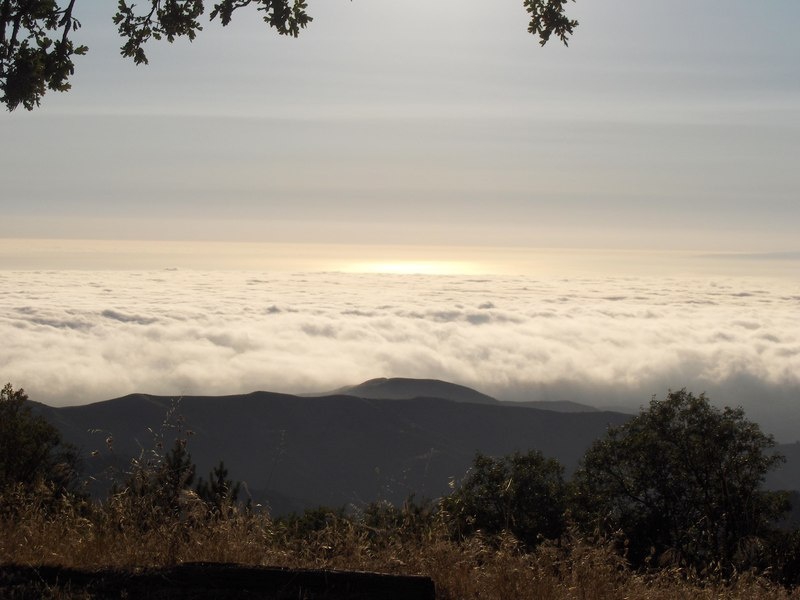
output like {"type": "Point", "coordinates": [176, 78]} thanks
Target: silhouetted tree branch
{"type": "Point", "coordinates": [36, 53]}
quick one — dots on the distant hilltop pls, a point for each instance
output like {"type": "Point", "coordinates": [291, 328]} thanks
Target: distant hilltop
{"type": "Point", "coordinates": [403, 388]}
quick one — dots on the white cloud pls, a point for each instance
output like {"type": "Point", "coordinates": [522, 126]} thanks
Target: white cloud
{"type": "Point", "coordinates": [74, 337]}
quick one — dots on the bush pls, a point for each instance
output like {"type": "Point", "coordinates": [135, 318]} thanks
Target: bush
{"type": "Point", "coordinates": [32, 454]}
{"type": "Point", "coordinates": [682, 480]}
{"type": "Point", "coordinates": [524, 494]}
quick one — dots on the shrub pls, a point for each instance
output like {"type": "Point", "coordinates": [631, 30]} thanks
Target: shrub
{"type": "Point", "coordinates": [683, 481]}
{"type": "Point", "coordinates": [32, 454]}
{"type": "Point", "coordinates": [524, 494]}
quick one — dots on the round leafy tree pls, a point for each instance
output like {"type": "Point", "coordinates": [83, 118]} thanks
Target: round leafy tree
{"type": "Point", "coordinates": [520, 493]}
{"type": "Point", "coordinates": [682, 478]}
{"type": "Point", "coordinates": [31, 449]}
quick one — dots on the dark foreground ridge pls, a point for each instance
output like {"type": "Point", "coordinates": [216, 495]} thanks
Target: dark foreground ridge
{"type": "Point", "coordinates": [212, 580]}
{"type": "Point", "coordinates": [296, 453]}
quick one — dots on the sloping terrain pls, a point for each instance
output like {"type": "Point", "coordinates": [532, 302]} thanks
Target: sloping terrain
{"type": "Point", "coordinates": [296, 452]}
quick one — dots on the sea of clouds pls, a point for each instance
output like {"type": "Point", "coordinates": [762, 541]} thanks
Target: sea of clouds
{"type": "Point", "coordinates": [72, 337]}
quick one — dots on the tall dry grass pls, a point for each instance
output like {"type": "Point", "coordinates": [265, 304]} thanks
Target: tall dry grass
{"type": "Point", "coordinates": [127, 532]}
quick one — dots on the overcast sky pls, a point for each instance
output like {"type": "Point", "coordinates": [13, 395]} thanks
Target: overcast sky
{"type": "Point", "coordinates": [441, 122]}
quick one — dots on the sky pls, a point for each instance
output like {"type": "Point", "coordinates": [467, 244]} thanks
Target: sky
{"type": "Point", "coordinates": [416, 189]}
{"type": "Point", "coordinates": [664, 125]}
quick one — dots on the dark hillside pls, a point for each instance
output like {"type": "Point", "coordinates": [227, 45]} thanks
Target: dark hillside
{"type": "Point", "coordinates": [330, 450]}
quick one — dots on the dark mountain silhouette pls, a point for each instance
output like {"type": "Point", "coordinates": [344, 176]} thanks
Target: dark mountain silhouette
{"type": "Point", "coordinates": [559, 405]}
{"type": "Point", "coordinates": [787, 475]}
{"type": "Point", "coordinates": [401, 388]}
{"type": "Point", "coordinates": [297, 452]}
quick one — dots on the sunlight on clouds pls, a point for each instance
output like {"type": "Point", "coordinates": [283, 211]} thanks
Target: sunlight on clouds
{"type": "Point", "coordinates": [82, 336]}
{"type": "Point", "coordinates": [416, 268]}
{"type": "Point", "coordinates": [276, 256]}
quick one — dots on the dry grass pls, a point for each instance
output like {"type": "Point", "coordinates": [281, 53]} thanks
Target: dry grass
{"type": "Point", "coordinates": [128, 532]}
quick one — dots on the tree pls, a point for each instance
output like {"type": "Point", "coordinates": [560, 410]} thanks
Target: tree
{"type": "Point", "coordinates": [219, 493]}
{"type": "Point", "coordinates": [161, 482]}
{"type": "Point", "coordinates": [36, 52]}
{"type": "Point", "coordinates": [31, 450]}
{"type": "Point", "coordinates": [682, 478]}
{"type": "Point", "coordinates": [520, 493]}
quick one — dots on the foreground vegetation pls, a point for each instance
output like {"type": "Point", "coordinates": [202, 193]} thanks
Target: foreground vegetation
{"type": "Point", "coordinates": [127, 533]}
{"type": "Point", "coordinates": [669, 505]}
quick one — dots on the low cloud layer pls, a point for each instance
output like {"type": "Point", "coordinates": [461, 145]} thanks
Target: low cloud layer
{"type": "Point", "coordinates": [77, 337]}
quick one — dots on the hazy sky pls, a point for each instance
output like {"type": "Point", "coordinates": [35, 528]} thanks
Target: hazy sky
{"type": "Point", "coordinates": [439, 122]}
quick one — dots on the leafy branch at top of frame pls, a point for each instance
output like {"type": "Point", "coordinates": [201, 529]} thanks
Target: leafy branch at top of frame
{"type": "Point", "coordinates": [548, 17]}
{"type": "Point", "coordinates": [285, 17]}
{"type": "Point", "coordinates": [168, 19]}
{"type": "Point", "coordinates": [36, 53]}
{"type": "Point", "coordinates": [35, 50]}
{"type": "Point", "coordinates": [172, 19]}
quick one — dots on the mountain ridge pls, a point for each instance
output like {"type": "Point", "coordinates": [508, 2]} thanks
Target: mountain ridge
{"type": "Point", "coordinates": [403, 388]}
{"type": "Point", "coordinates": [296, 452]}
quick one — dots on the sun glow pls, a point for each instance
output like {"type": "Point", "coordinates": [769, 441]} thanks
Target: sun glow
{"type": "Point", "coordinates": [415, 267]}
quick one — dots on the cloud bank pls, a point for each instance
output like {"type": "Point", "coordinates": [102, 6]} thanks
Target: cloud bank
{"type": "Point", "coordinates": [82, 336]}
